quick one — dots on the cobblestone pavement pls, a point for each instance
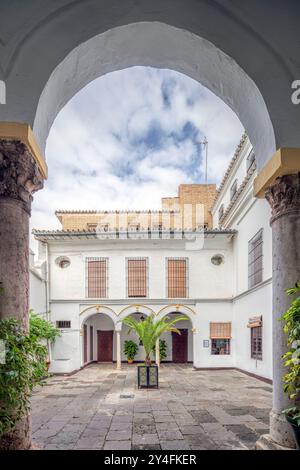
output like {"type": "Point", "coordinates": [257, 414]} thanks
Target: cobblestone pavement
{"type": "Point", "coordinates": [101, 408]}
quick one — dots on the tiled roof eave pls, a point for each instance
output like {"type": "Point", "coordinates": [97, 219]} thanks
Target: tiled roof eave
{"type": "Point", "coordinates": [229, 168]}
{"type": "Point", "coordinates": [52, 234]}
{"type": "Point", "coordinates": [238, 194]}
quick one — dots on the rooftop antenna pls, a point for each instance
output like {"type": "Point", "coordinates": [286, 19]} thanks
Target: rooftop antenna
{"type": "Point", "coordinates": [204, 142]}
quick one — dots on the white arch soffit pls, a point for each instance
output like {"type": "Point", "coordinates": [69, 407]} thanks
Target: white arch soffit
{"type": "Point", "coordinates": [130, 309]}
{"type": "Point", "coordinates": [162, 46]}
{"type": "Point", "coordinates": [178, 309]}
{"type": "Point", "coordinates": [94, 310]}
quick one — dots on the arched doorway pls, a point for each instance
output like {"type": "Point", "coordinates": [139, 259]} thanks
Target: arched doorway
{"type": "Point", "coordinates": [179, 347]}
{"type": "Point", "coordinates": [99, 341]}
{"type": "Point", "coordinates": [139, 313]}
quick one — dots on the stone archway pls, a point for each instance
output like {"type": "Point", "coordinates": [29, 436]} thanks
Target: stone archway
{"type": "Point", "coordinates": [169, 37]}
{"type": "Point", "coordinates": [90, 327]}
{"type": "Point", "coordinates": [180, 347]}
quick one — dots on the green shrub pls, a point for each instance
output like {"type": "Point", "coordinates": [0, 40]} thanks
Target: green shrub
{"type": "Point", "coordinates": [24, 366]}
{"type": "Point", "coordinates": [291, 320]}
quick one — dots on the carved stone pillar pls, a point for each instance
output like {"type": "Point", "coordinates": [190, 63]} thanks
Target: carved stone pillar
{"type": "Point", "coordinates": [19, 179]}
{"type": "Point", "coordinates": [284, 199]}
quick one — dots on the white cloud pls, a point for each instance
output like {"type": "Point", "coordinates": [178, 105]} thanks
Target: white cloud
{"type": "Point", "coordinates": [123, 142]}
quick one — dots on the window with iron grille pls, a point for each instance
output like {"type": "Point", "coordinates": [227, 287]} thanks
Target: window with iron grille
{"type": "Point", "coordinates": [250, 161]}
{"type": "Point", "coordinates": [255, 259]}
{"type": "Point", "coordinates": [137, 277]}
{"type": "Point", "coordinates": [233, 189]}
{"type": "Point", "coordinates": [97, 277]}
{"type": "Point", "coordinates": [256, 342]}
{"type": "Point", "coordinates": [177, 277]}
{"type": "Point", "coordinates": [220, 335]}
{"type": "Point", "coordinates": [63, 324]}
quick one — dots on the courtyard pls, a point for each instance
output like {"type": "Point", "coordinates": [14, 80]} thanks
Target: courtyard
{"type": "Point", "coordinates": [100, 407]}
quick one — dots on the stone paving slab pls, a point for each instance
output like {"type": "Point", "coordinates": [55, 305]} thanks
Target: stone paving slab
{"type": "Point", "coordinates": [99, 408]}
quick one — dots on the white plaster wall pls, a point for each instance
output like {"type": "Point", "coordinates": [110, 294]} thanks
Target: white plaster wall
{"type": "Point", "coordinates": [257, 303]}
{"type": "Point", "coordinates": [37, 294]}
{"type": "Point", "coordinates": [66, 350]}
{"type": "Point", "coordinates": [205, 279]}
{"type": "Point", "coordinates": [257, 217]}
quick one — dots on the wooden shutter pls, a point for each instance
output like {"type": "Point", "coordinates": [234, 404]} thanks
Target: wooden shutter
{"type": "Point", "coordinates": [137, 277]}
{"type": "Point", "coordinates": [255, 259]}
{"type": "Point", "coordinates": [97, 278]}
{"type": "Point", "coordinates": [177, 278]}
{"type": "Point", "coordinates": [220, 330]}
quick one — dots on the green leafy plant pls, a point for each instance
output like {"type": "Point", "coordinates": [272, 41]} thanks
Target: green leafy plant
{"type": "Point", "coordinates": [24, 366]}
{"type": "Point", "coordinates": [149, 331]}
{"type": "Point", "coordinates": [162, 349]}
{"type": "Point", "coordinates": [291, 321]}
{"type": "Point", "coordinates": [130, 349]}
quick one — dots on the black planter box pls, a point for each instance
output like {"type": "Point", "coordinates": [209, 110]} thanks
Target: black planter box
{"type": "Point", "coordinates": [147, 376]}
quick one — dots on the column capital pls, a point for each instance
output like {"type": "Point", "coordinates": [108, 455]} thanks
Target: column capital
{"type": "Point", "coordinates": [284, 195]}
{"type": "Point", "coordinates": [286, 161]}
{"type": "Point", "coordinates": [20, 175]}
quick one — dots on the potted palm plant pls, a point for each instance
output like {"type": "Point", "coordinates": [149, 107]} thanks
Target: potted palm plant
{"type": "Point", "coordinates": [130, 350]}
{"type": "Point", "coordinates": [149, 331]}
{"type": "Point", "coordinates": [291, 320]}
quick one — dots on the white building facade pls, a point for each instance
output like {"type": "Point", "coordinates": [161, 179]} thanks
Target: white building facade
{"type": "Point", "coordinates": [215, 269]}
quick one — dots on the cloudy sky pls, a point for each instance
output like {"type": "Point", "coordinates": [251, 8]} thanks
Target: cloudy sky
{"type": "Point", "coordinates": [130, 138]}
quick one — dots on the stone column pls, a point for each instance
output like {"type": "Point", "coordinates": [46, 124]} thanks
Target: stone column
{"type": "Point", "coordinates": [119, 361]}
{"type": "Point", "coordinates": [157, 354]}
{"type": "Point", "coordinates": [284, 199]}
{"type": "Point", "coordinates": [19, 179]}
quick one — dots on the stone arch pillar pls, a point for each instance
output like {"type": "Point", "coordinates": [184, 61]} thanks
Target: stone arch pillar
{"type": "Point", "coordinates": [21, 174]}
{"type": "Point", "coordinates": [280, 184]}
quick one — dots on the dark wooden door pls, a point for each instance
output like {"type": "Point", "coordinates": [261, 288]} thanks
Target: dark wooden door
{"type": "Point", "coordinates": [180, 346]}
{"type": "Point", "coordinates": [105, 346]}
{"type": "Point", "coordinates": [84, 343]}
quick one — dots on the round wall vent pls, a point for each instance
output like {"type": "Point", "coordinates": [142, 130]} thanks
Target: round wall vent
{"type": "Point", "coordinates": [63, 262]}
{"type": "Point", "coordinates": [217, 260]}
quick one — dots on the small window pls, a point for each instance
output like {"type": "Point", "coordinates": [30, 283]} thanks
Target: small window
{"type": "Point", "coordinates": [220, 335]}
{"type": "Point", "coordinates": [63, 324]}
{"type": "Point", "coordinates": [220, 346]}
{"type": "Point", "coordinates": [221, 211]}
{"type": "Point", "coordinates": [256, 343]}
{"type": "Point", "coordinates": [63, 262]}
{"type": "Point", "coordinates": [250, 162]}
{"type": "Point", "coordinates": [233, 189]}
